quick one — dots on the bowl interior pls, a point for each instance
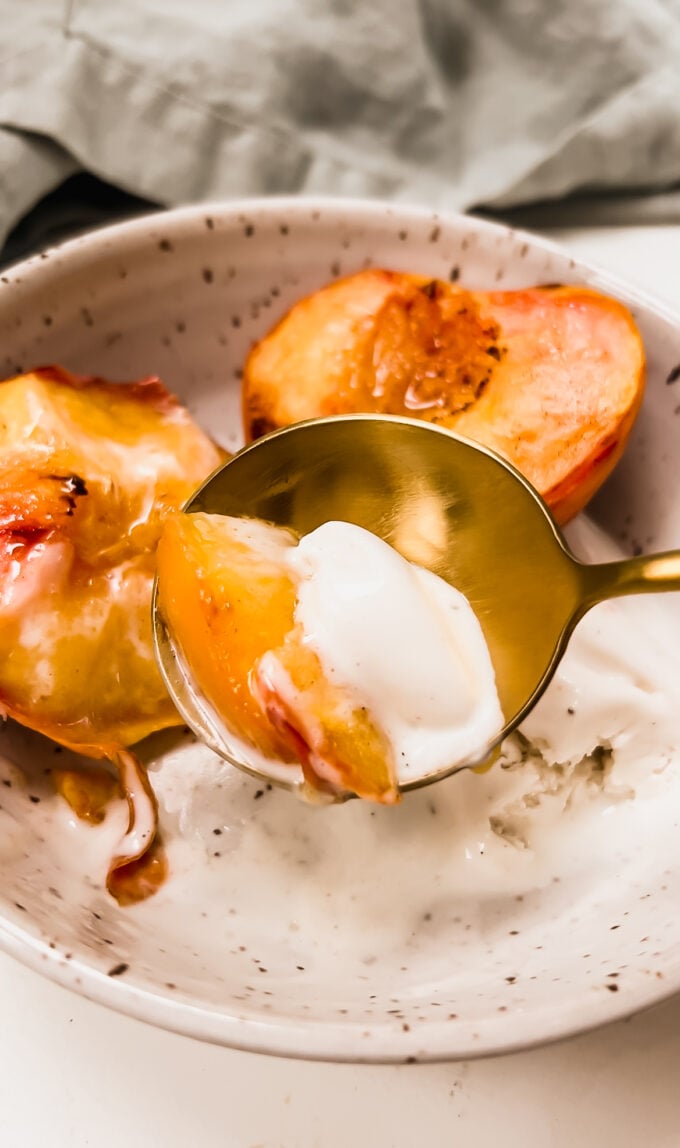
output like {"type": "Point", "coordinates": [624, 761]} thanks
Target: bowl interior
{"type": "Point", "coordinates": [346, 932]}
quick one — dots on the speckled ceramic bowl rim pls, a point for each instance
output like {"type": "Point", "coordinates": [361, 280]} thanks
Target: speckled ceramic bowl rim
{"type": "Point", "coordinates": [284, 1037]}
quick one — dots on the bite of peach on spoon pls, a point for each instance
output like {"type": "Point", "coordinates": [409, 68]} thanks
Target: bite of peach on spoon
{"type": "Point", "coordinates": [246, 667]}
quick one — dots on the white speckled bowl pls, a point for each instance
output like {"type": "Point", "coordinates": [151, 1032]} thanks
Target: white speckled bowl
{"type": "Point", "coordinates": [245, 945]}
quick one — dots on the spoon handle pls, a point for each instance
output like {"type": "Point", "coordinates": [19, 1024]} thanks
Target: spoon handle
{"type": "Point", "coordinates": [648, 574]}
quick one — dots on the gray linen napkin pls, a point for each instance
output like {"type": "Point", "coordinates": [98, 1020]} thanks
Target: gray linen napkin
{"type": "Point", "coordinates": [450, 103]}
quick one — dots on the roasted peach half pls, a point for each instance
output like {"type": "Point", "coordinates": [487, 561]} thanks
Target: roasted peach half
{"type": "Point", "coordinates": [550, 377]}
{"type": "Point", "coordinates": [88, 472]}
{"type": "Point", "coordinates": [228, 599]}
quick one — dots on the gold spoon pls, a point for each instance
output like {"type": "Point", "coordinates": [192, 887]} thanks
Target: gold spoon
{"type": "Point", "coordinates": [446, 503]}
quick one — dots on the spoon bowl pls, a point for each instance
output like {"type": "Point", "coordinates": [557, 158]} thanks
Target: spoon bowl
{"type": "Point", "coordinates": [450, 505]}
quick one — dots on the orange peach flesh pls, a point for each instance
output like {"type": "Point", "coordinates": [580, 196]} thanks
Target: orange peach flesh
{"type": "Point", "coordinates": [229, 603]}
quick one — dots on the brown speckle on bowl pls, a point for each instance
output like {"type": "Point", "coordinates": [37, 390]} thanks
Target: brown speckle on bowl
{"type": "Point", "coordinates": [118, 970]}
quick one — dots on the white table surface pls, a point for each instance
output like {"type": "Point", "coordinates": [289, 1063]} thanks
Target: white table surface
{"type": "Point", "coordinates": [74, 1074]}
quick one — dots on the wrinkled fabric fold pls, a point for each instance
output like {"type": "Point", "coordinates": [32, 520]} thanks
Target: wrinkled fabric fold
{"type": "Point", "coordinates": [451, 103]}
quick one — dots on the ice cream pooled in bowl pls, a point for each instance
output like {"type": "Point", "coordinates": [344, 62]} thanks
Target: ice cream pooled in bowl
{"type": "Point", "coordinates": [329, 652]}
